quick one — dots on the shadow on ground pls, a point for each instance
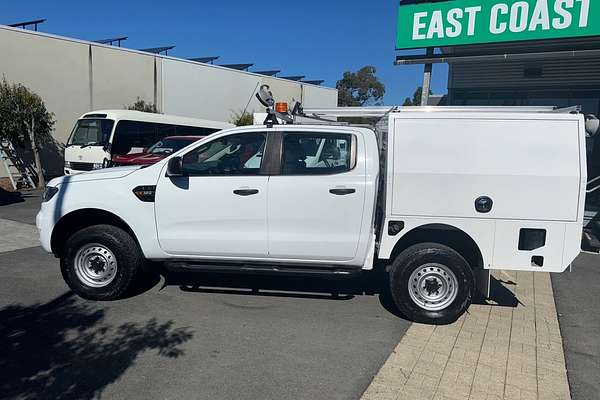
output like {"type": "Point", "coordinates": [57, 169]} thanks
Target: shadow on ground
{"type": "Point", "coordinates": [501, 294]}
{"type": "Point", "coordinates": [64, 349]}
{"type": "Point", "coordinates": [366, 283]}
{"type": "Point", "coordinates": [7, 197]}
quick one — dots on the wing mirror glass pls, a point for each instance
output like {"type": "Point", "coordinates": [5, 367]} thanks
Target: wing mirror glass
{"type": "Point", "coordinates": [592, 125]}
{"type": "Point", "coordinates": [175, 167]}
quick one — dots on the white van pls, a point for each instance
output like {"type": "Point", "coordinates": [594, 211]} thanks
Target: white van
{"type": "Point", "coordinates": [99, 135]}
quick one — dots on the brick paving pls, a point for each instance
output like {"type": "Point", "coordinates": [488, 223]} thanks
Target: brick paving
{"type": "Point", "coordinates": [493, 352]}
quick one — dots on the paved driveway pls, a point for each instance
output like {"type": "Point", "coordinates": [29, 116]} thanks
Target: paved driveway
{"type": "Point", "coordinates": [200, 336]}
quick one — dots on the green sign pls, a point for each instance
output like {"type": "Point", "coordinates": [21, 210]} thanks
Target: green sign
{"type": "Point", "coordinates": [456, 22]}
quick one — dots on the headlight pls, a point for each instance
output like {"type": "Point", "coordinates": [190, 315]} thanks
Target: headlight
{"type": "Point", "coordinates": [98, 166]}
{"type": "Point", "coordinates": [49, 193]}
{"type": "Point", "coordinates": [68, 164]}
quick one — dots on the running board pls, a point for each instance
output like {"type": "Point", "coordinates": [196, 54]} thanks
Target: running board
{"type": "Point", "coordinates": [262, 269]}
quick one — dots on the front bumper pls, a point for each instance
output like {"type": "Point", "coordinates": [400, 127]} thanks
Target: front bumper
{"type": "Point", "coordinates": [44, 221]}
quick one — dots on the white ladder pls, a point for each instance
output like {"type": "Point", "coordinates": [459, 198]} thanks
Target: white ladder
{"type": "Point", "coordinates": [20, 175]}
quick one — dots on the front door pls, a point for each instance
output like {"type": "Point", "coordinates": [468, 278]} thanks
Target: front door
{"type": "Point", "coordinates": [219, 208]}
{"type": "Point", "coordinates": [316, 201]}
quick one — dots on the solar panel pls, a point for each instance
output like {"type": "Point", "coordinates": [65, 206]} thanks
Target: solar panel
{"type": "Point", "coordinates": [204, 59]}
{"type": "Point", "coordinates": [25, 24]}
{"type": "Point", "coordinates": [158, 50]}
{"type": "Point", "coordinates": [239, 67]}
{"type": "Point", "coordinates": [314, 82]}
{"type": "Point", "coordinates": [268, 73]}
{"type": "Point", "coordinates": [112, 41]}
{"type": "Point", "coordinates": [294, 78]}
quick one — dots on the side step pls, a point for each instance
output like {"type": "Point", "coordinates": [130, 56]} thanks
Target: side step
{"type": "Point", "coordinates": [262, 269]}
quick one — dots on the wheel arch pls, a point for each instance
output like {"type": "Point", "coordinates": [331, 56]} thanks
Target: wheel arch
{"type": "Point", "coordinates": [76, 220]}
{"type": "Point", "coordinates": [453, 237]}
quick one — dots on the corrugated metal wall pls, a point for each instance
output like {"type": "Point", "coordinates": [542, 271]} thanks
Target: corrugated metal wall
{"type": "Point", "coordinates": [562, 74]}
{"type": "Point", "coordinates": [580, 73]}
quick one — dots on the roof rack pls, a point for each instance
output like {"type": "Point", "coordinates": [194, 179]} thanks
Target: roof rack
{"type": "Point", "coordinates": [280, 112]}
{"type": "Point", "coordinates": [370, 112]}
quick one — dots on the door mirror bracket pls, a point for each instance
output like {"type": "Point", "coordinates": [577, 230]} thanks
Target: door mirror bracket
{"type": "Point", "coordinates": [175, 167]}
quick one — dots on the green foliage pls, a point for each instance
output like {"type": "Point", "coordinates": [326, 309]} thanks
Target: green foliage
{"type": "Point", "coordinates": [242, 118]}
{"type": "Point", "coordinates": [19, 106]}
{"type": "Point", "coordinates": [362, 88]}
{"type": "Point", "coordinates": [416, 98]}
{"type": "Point", "coordinates": [143, 106]}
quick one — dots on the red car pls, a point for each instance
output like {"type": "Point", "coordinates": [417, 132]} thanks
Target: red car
{"type": "Point", "coordinates": [156, 152]}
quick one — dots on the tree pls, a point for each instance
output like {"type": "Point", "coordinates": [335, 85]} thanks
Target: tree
{"type": "Point", "coordinates": [24, 118]}
{"type": "Point", "coordinates": [360, 88]}
{"type": "Point", "coordinates": [143, 106]}
{"type": "Point", "coordinates": [416, 98]}
{"type": "Point", "coordinates": [242, 118]}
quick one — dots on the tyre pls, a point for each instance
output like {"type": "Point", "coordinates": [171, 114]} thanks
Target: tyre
{"type": "Point", "coordinates": [100, 262]}
{"type": "Point", "coordinates": [431, 283]}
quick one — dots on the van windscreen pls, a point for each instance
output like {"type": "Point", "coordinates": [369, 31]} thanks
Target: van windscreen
{"type": "Point", "coordinates": [91, 132]}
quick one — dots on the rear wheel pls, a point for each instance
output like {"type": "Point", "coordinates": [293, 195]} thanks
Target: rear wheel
{"type": "Point", "coordinates": [100, 262]}
{"type": "Point", "coordinates": [431, 283]}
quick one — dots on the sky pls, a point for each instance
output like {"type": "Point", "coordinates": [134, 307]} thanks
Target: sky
{"type": "Point", "coordinates": [319, 39]}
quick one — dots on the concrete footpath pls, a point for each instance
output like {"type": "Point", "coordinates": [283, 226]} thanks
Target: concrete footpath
{"type": "Point", "coordinates": [493, 352]}
{"type": "Point", "coordinates": [16, 235]}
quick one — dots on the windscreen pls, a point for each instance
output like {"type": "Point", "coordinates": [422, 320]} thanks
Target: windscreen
{"type": "Point", "coordinates": [91, 132]}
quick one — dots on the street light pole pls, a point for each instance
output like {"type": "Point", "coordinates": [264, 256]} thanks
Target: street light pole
{"type": "Point", "coordinates": [427, 79]}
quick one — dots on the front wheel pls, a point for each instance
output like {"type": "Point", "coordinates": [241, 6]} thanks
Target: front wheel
{"type": "Point", "coordinates": [431, 283]}
{"type": "Point", "coordinates": [100, 262]}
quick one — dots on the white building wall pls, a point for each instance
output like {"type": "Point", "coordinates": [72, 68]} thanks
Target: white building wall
{"type": "Point", "coordinates": [213, 92]}
{"type": "Point", "coordinates": [74, 77]}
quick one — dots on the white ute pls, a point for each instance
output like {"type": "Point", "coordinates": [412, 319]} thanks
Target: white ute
{"type": "Point", "coordinates": [436, 198]}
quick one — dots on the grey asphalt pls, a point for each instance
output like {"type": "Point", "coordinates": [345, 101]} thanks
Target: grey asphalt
{"type": "Point", "coordinates": [20, 206]}
{"type": "Point", "coordinates": [188, 336]}
{"type": "Point", "coordinates": [578, 307]}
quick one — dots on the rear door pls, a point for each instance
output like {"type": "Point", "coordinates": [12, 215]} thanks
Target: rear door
{"type": "Point", "coordinates": [316, 197]}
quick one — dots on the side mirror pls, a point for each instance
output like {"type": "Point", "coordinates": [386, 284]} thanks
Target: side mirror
{"type": "Point", "coordinates": [592, 125]}
{"type": "Point", "coordinates": [175, 167]}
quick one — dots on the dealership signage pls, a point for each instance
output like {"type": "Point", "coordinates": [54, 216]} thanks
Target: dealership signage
{"type": "Point", "coordinates": [457, 22]}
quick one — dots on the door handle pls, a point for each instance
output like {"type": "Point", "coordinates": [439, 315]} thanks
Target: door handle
{"type": "Point", "coordinates": [245, 192]}
{"type": "Point", "coordinates": [342, 191]}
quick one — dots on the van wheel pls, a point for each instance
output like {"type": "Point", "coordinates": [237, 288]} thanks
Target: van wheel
{"type": "Point", "coordinates": [101, 262]}
{"type": "Point", "coordinates": [431, 283]}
